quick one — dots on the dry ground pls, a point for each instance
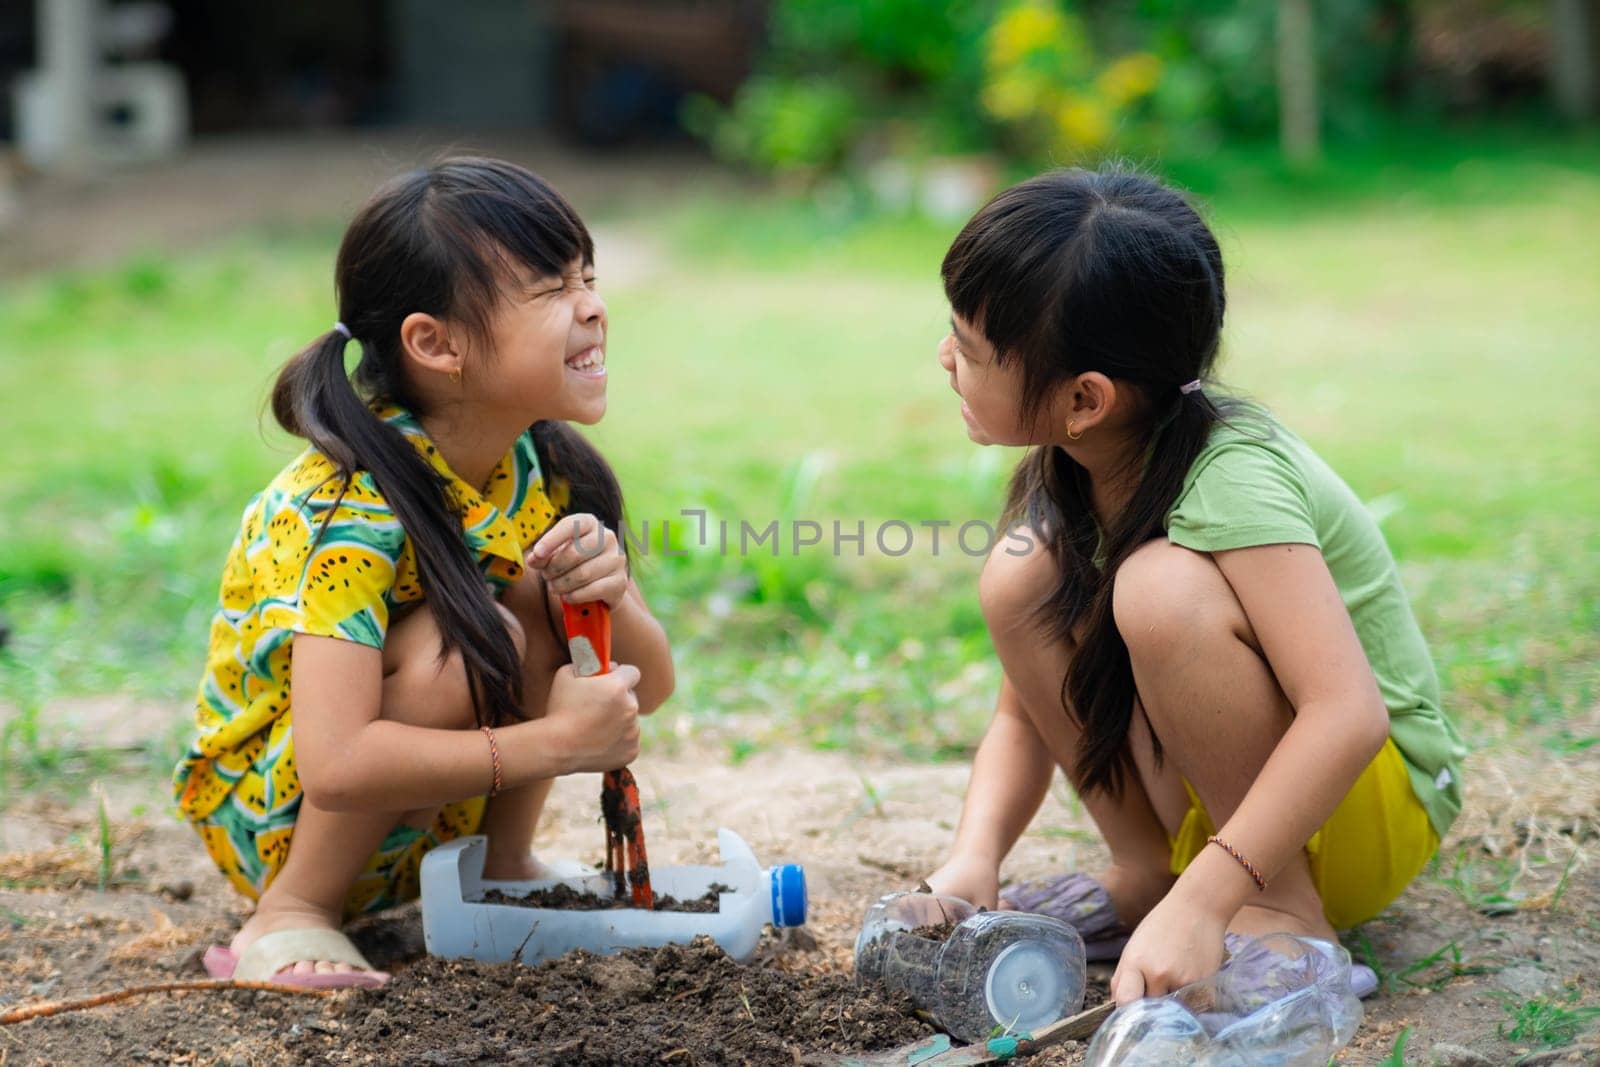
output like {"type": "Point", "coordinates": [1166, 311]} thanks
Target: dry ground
{"type": "Point", "coordinates": [1457, 975]}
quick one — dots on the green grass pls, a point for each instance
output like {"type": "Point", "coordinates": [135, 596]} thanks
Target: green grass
{"type": "Point", "coordinates": [1424, 315]}
{"type": "Point", "coordinates": [107, 865]}
{"type": "Point", "coordinates": [1486, 884]}
{"type": "Point", "coordinates": [1397, 1055]}
{"type": "Point", "coordinates": [1547, 1021]}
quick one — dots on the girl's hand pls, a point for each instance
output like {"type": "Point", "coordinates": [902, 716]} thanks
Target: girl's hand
{"type": "Point", "coordinates": [582, 562]}
{"type": "Point", "coordinates": [1179, 942]}
{"type": "Point", "coordinates": [973, 879]}
{"type": "Point", "coordinates": [596, 718]}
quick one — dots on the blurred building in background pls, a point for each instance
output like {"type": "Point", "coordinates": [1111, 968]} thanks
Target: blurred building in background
{"type": "Point", "coordinates": [130, 77]}
{"type": "Point", "coordinates": [807, 86]}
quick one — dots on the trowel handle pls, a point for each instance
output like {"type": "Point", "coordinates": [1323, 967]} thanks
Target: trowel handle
{"type": "Point", "coordinates": [589, 639]}
{"type": "Point", "coordinates": [588, 636]}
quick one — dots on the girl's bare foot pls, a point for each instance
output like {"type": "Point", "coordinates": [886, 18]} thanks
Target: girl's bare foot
{"type": "Point", "coordinates": [1259, 920]}
{"type": "Point", "coordinates": [1134, 891]}
{"type": "Point", "coordinates": [516, 867]}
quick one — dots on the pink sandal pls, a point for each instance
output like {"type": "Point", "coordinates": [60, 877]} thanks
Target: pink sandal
{"type": "Point", "coordinates": [269, 954]}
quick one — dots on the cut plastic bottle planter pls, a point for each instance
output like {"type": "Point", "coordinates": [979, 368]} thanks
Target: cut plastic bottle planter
{"type": "Point", "coordinates": [458, 923]}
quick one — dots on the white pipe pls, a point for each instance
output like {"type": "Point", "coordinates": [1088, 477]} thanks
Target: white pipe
{"type": "Point", "coordinates": [67, 54]}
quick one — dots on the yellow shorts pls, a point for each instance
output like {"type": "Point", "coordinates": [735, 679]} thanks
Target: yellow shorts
{"type": "Point", "coordinates": [1375, 842]}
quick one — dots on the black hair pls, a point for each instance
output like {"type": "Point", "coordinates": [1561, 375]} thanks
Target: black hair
{"type": "Point", "coordinates": [1111, 271]}
{"type": "Point", "coordinates": [440, 240]}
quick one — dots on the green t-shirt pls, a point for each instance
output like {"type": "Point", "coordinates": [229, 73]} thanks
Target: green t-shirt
{"type": "Point", "coordinates": [1255, 483]}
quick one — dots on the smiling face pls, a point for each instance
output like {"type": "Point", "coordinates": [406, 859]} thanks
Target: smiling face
{"type": "Point", "coordinates": [991, 394]}
{"type": "Point", "coordinates": [547, 341]}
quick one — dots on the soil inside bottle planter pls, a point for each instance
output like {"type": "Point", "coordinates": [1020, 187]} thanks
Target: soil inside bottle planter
{"type": "Point", "coordinates": [952, 989]}
{"type": "Point", "coordinates": [939, 932]}
{"type": "Point", "coordinates": [566, 898]}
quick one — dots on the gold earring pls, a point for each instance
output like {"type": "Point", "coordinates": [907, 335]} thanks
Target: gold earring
{"type": "Point", "coordinates": [455, 376]}
{"type": "Point", "coordinates": [1070, 435]}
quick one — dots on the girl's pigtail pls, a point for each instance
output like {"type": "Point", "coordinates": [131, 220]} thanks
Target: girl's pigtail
{"type": "Point", "coordinates": [1049, 493]}
{"type": "Point", "coordinates": [565, 453]}
{"type": "Point", "coordinates": [315, 399]}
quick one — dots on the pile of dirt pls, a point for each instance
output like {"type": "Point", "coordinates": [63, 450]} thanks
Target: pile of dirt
{"type": "Point", "coordinates": [681, 1003]}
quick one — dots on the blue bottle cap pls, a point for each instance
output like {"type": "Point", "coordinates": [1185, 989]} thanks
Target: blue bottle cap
{"type": "Point", "coordinates": [788, 895]}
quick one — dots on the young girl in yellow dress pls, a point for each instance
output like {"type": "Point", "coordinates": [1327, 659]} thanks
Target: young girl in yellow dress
{"type": "Point", "coordinates": [1197, 620]}
{"type": "Point", "coordinates": [385, 669]}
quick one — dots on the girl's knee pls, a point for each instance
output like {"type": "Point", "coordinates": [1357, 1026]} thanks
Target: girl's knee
{"type": "Point", "coordinates": [422, 689]}
{"type": "Point", "coordinates": [1014, 585]}
{"type": "Point", "coordinates": [1164, 590]}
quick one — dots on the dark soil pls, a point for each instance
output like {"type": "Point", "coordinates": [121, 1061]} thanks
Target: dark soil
{"type": "Point", "coordinates": [566, 898]}
{"type": "Point", "coordinates": [680, 1003]}
{"type": "Point", "coordinates": [939, 932]}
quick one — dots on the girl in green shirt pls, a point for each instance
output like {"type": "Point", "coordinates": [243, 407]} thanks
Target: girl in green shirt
{"type": "Point", "coordinates": [1196, 618]}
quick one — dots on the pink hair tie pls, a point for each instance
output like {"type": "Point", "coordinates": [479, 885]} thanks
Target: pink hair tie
{"type": "Point", "coordinates": [1192, 387]}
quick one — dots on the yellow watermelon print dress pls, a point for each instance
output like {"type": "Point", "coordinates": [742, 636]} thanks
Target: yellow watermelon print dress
{"type": "Point", "coordinates": [237, 782]}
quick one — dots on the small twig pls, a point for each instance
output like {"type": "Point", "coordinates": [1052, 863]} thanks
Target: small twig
{"type": "Point", "coordinates": [39, 1011]}
{"type": "Point", "coordinates": [517, 955]}
{"type": "Point", "coordinates": [745, 1000]}
{"type": "Point", "coordinates": [899, 870]}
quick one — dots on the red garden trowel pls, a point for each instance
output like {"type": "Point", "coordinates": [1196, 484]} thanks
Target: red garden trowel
{"type": "Point", "coordinates": [589, 639]}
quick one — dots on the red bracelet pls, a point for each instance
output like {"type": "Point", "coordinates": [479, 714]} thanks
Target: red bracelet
{"type": "Point", "coordinates": [494, 760]}
{"type": "Point", "coordinates": [1250, 868]}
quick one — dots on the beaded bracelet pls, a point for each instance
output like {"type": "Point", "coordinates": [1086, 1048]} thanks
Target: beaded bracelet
{"type": "Point", "coordinates": [494, 760]}
{"type": "Point", "coordinates": [1250, 868]}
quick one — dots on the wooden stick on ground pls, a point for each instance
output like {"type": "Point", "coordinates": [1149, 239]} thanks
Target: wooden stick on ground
{"type": "Point", "coordinates": [936, 1051]}
{"type": "Point", "coordinates": [1073, 1028]}
{"type": "Point", "coordinates": [40, 1011]}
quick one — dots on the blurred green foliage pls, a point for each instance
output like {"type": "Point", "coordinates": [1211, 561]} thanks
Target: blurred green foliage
{"type": "Point", "coordinates": [777, 362]}
{"type": "Point", "coordinates": [1058, 81]}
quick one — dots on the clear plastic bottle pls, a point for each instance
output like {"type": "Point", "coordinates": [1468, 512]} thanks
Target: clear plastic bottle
{"type": "Point", "coordinates": [974, 971]}
{"type": "Point", "coordinates": [1278, 1001]}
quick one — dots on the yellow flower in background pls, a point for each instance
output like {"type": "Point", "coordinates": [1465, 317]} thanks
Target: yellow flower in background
{"type": "Point", "coordinates": [1013, 96]}
{"type": "Point", "coordinates": [1023, 30]}
{"type": "Point", "coordinates": [1129, 78]}
{"type": "Point", "coordinates": [1045, 81]}
{"type": "Point", "coordinates": [1083, 122]}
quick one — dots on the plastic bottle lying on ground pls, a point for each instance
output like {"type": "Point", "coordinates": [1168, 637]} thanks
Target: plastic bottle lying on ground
{"type": "Point", "coordinates": [974, 971]}
{"type": "Point", "coordinates": [1278, 1001]}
